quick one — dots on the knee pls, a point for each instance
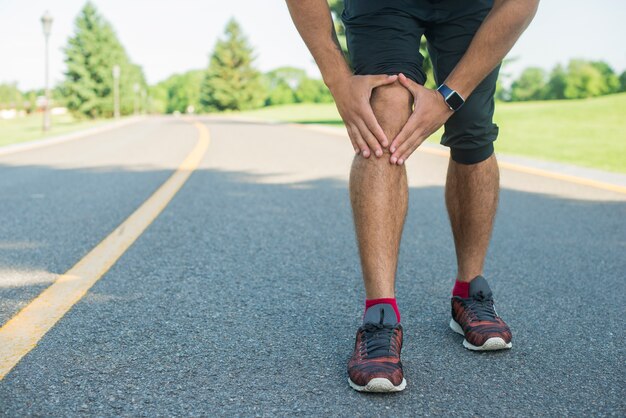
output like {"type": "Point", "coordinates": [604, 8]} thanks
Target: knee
{"type": "Point", "coordinates": [392, 106]}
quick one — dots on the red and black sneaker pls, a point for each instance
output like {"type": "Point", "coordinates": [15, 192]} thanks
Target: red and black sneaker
{"type": "Point", "coordinates": [475, 318]}
{"type": "Point", "coordinates": [375, 365]}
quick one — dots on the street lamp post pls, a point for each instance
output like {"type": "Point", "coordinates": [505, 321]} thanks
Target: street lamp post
{"type": "Point", "coordinates": [116, 91]}
{"type": "Point", "coordinates": [46, 22]}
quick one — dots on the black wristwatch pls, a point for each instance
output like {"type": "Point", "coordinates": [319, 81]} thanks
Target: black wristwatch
{"type": "Point", "coordinates": [452, 98]}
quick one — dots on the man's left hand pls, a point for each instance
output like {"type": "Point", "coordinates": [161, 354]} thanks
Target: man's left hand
{"type": "Point", "coordinates": [430, 112]}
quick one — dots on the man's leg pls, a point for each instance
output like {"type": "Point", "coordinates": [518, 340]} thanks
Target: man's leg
{"type": "Point", "coordinates": [472, 199]}
{"type": "Point", "coordinates": [379, 196]}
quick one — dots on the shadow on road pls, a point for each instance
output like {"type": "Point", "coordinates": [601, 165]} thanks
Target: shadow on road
{"type": "Point", "coordinates": [243, 298]}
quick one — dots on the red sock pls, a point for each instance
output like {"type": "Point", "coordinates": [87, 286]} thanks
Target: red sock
{"type": "Point", "coordinates": [461, 289]}
{"type": "Point", "coordinates": [391, 301]}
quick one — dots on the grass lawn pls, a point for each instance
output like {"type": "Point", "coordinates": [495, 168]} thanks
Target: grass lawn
{"type": "Point", "coordinates": [29, 128]}
{"type": "Point", "coordinates": [590, 132]}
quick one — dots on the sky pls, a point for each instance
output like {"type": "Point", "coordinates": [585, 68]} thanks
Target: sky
{"type": "Point", "coordinates": [167, 37]}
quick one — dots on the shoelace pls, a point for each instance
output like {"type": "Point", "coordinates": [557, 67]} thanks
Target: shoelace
{"type": "Point", "coordinates": [377, 338]}
{"type": "Point", "coordinates": [482, 306]}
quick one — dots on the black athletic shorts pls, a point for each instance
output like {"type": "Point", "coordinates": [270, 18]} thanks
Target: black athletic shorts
{"type": "Point", "coordinates": [384, 37]}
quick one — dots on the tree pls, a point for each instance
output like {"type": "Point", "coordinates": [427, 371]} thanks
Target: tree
{"type": "Point", "coordinates": [611, 81]}
{"type": "Point", "coordinates": [555, 88]}
{"type": "Point", "coordinates": [231, 81]}
{"type": "Point", "coordinates": [622, 81]}
{"type": "Point", "coordinates": [10, 96]}
{"type": "Point", "coordinates": [583, 80]}
{"type": "Point", "coordinates": [280, 94]}
{"type": "Point", "coordinates": [90, 56]}
{"type": "Point", "coordinates": [313, 91]}
{"type": "Point", "coordinates": [281, 83]}
{"type": "Point", "coordinates": [530, 85]}
{"type": "Point", "coordinates": [158, 97]}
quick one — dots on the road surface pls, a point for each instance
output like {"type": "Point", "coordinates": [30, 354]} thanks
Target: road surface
{"type": "Point", "coordinates": [244, 295]}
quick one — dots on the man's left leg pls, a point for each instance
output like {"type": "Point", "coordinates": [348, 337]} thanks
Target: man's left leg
{"type": "Point", "coordinates": [472, 199]}
{"type": "Point", "coordinates": [472, 184]}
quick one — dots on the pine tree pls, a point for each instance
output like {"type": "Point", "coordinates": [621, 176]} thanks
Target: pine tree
{"type": "Point", "coordinates": [231, 81]}
{"type": "Point", "coordinates": [90, 56]}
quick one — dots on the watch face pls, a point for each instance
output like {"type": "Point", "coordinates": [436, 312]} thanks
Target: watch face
{"type": "Point", "coordinates": [455, 101]}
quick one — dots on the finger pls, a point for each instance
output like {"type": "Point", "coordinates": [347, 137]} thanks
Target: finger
{"type": "Point", "coordinates": [362, 145]}
{"type": "Point", "coordinates": [409, 84]}
{"type": "Point", "coordinates": [381, 80]}
{"type": "Point", "coordinates": [407, 130]}
{"type": "Point", "coordinates": [374, 127]}
{"type": "Point", "coordinates": [415, 145]}
{"type": "Point", "coordinates": [371, 140]}
{"type": "Point", "coordinates": [405, 150]}
{"type": "Point", "coordinates": [355, 146]}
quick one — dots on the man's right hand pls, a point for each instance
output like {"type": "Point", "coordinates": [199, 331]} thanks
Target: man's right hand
{"type": "Point", "coordinates": [352, 96]}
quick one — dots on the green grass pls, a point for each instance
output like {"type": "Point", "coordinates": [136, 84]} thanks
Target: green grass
{"type": "Point", "coordinates": [325, 114]}
{"type": "Point", "coordinates": [590, 132]}
{"type": "Point", "coordinates": [29, 128]}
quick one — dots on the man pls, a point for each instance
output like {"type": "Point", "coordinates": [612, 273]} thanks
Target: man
{"type": "Point", "coordinates": [388, 114]}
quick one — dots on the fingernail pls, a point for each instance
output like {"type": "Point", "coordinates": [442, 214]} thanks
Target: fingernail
{"type": "Point", "coordinates": [379, 153]}
{"type": "Point", "coordinates": [400, 161]}
{"type": "Point", "coordinates": [393, 149]}
{"type": "Point", "coordinates": [393, 160]}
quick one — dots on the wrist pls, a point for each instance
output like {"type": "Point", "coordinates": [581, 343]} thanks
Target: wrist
{"type": "Point", "coordinates": [336, 78]}
{"type": "Point", "coordinates": [452, 99]}
{"type": "Point", "coordinates": [457, 84]}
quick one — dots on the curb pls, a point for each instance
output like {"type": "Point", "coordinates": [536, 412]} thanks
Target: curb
{"type": "Point", "coordinates": [614, 182]}
{"type": "Point", "coordinates": [38, 143]}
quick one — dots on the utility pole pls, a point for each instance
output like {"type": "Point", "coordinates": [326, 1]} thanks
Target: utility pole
{"type": "Point", "coordinates": [46, 22]}
{"type": "Point", "coordinates": [116, 91]}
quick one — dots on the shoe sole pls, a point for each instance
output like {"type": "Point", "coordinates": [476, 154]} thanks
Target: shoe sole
{"type": "Point", "coordinates": [379, 385]}
{"type": "Point", "coordinates": [492, 344]}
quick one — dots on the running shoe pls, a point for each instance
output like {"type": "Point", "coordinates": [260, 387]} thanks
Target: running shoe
{"type": "Point", "coordinates": [477, 320]}
{"type": "Point", "coordinates": [375, 365]}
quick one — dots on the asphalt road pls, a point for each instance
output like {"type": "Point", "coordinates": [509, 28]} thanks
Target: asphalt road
{"type": "Point", "coordinates": [243, 297]}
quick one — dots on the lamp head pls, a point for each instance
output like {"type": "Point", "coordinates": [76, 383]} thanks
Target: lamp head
{"type": "Point", "coordinates": [46, 22]}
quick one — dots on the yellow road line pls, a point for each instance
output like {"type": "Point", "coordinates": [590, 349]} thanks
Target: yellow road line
{"type": "Point", "coordinates": [564, 177]}
{"type": "Point", "coordinates": [22, 332]}
{"type": "Point", "coordinates": [509, 166]}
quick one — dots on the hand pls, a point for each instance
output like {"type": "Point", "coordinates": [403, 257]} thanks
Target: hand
{"type": "Point", "coordinates": [352, 96]}
{"type": "Point", "coordinates": [430, 111]}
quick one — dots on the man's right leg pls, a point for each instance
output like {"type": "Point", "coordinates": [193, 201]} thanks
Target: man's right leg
{"type": "Point", "coordinates": [379, 196]}
{"type": "Point", "coordinates": [381, 40]}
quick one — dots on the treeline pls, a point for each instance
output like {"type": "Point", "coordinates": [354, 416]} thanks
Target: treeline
{"type": "Point", "coordinates": [231, 82]}
{"type": "Point", "coordinates": [578, 80]}
{"type": "Point", "coordinates": [87, 88]}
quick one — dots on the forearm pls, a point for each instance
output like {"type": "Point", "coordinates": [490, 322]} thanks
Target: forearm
{"type": "Point", "coordinates": [315, 25]}
{"type": "Point", "coordinates": [500, 30]}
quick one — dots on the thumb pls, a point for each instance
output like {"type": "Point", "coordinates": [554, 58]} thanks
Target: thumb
{"type": "Point", "coordinates": [382, 79]}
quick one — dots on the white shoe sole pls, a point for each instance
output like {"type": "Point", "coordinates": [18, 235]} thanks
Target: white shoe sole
{"type": "Point", "coordinates": [378, 384]}
{"type": "Point", "coordinates": [493, 343]}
